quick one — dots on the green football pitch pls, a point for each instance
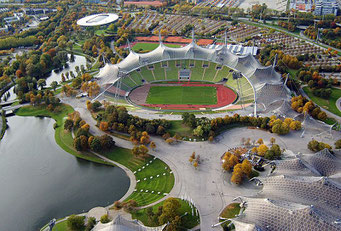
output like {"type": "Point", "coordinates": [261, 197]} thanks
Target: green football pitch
{"type": "Point", "coordinates": [194, 95]}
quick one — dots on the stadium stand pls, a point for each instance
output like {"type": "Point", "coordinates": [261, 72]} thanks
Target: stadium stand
{"type": "Point", "coordinates": [263, 81]}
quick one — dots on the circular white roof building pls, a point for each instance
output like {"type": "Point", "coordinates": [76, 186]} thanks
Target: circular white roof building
{"type": "Point", "coordinates": [97, 19]}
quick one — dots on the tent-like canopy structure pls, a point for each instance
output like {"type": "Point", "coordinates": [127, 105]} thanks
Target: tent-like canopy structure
{"type": "Point", "coordinates": [260, 78]}
{"type": "Point", "coordinates": [270, 214]}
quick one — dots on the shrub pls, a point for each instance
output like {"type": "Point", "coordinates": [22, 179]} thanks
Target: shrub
{"type": "Point", "coordinates": [105, 219]}
{"type": "Point", "coordinates": [338, 144]}
{"type": "Point", "coordinates": [316, 146]}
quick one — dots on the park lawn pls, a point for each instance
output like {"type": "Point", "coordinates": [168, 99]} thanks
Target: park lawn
{"type": "Point", "coordinates": [182, 95]}
{"type": "Point", "coordinates": [189, 221]}
{"type": "Point", "coordinates": [61, 226]}
{"type": "Point", "coordinates": [328, 104]}
{"type": "Point", "coordinates": [230, 211]}
{"type": "Point", "coordinates": [150, 46]}
{"type": "Point", "coordinates": [100, 32]}
{"type": "Point", "coordinates": [162, 184]}
{"type": "Point", "coordinates": [63, 138]}
{"type": "Point", "coordinates": [177, 127]}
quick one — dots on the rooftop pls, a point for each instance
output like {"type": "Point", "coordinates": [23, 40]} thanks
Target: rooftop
{"type": "Point", "coordinates": [97, 19]}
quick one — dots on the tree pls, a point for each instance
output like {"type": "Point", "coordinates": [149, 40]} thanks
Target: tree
{"type": "Point", "coordinates": [75, 223]}
{"type": "Point", "coordinates": [170, 141]}
{"type": "Point", "coordinates": [198, 131]}
{"type": "Point", "coordinates": [54, 85]}
{"type": "Point", "coordinates": [170, 210]}
{"type": "Point", "coordinates": [195, 164]}
{"type": "Point", "coordinates": [237, 175]}
{"type": "Point", "coordinates": [260, 141]}
{"type": "Point", "coordinates": [104, 126]}
{"type": "Point", "coordinates": [338, 144]}
{"type": "Point", "coordinates": [316, 146]}
{"type": "Point", "coordinates": [152, 145]}
{"type": "Point", "coordinates": [261, 150]}
{"type": "Point", "coordinates": [322, 115]}
{"type": "Point", "coordinates": [246, 167]}
{"type": "Point", "coordinates": [91, 224]}
{"type": "Point", "coordinates": [295, 125]}
{"type": "Point", "coordinates": [41, 83]}
{"type": "Point", "coordinates": [193, 155]}
{"type": "Point", "coordinates": [236, 178]}
{"type": "Point", "coordinates": [68, 124]}
{"type": "Point", "coordinates": [95, 144]}
{"type": "Point", "coordinates": [272, 140]}
{"type": "Point", "coordinates": [143, 150]}
{"type": "Point", "coordinates": [135, 151]}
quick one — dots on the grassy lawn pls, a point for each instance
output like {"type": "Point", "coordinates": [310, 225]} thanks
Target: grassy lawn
{"type": "Point", "coordinates": [182, 95]}
{"type": "Point", "coordinates": [179, 128]}
{"type": "Point", "coordinates": [63, 138]}
{"type": "Point", "coordinates": [293, 73]}
{"type": "Point", "coordinates": [188, 221]}
{"type": "Point", "coordinates": [100, 32]}
{"type": "Point", "coordinates": [150, 46]}
{"type": "Point", "coordinates": [61, 226]}
{"type": "Point", "coordinates": [328, 104]}
{"type": "Point", "coordinates": [4, 125]}
{"type": "Point", "coordinates": [230, 211]}
{"type": "Point", "coordinates": [144, 169]}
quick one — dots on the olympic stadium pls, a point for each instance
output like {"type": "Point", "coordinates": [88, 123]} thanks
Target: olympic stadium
{"type": "Point", "coordinates": [195, 78]}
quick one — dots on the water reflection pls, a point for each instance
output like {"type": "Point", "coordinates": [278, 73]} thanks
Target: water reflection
{"type": "Point", "coordinates": [40, 181]}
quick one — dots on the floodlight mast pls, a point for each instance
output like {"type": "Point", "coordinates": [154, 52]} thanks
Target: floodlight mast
{"type": "Point", "coordinates": [118, 87]}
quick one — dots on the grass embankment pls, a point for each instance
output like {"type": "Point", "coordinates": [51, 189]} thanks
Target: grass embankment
{"type": "Point", "coordinates": [61, 226]}
{"type": "Point", "coordinates": [230, 211]}
{"type": "Point", "coordinates": [150, 46]}
{"type": "Point", "coordinates": [144, 169]}
{"type": "Point", "coordinates": [189, 220]}
{"type": "Point", "coordinates": [328, 104]}
{"type": "Point", "coordinates": [63, 138]}
{"type": "Point", "coordinates": [4, 125]}
{"type": "Point", "coordinates": [177, 127]}
{"type": "Point", "coordinates": [182, 95]}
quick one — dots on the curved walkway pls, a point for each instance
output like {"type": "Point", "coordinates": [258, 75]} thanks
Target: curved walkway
{"type": "Point", "coordinates": [208, 187]}
{"type": "Point", "coordinates": [338, 104]}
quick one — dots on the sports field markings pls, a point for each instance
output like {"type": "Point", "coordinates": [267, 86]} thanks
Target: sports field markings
{"type": "Point", "coordinates": [177, 95]}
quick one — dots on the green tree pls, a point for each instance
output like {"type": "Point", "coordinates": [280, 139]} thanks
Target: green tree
{"type": "Point", "coordinates": [68, 125]}
{"type": "Point", "coordinates": [95, 144]}
{"type": "Point", "coordinates": [75, 223]}
{"type": "Point", "coordinates": [54, 85]}
{"type": "Point", "coordinates": [198, 131]}
{"type": "Point", "coordinates": [170, 210]}
{"type": "Point", "coordinates": [41, 83]}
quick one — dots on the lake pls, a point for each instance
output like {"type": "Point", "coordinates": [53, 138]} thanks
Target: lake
{"type": "Point", "coordinates": [40, 181]}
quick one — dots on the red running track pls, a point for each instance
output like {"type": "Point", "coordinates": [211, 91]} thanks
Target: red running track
{"type": "Point", "coordinates": [225, 96]}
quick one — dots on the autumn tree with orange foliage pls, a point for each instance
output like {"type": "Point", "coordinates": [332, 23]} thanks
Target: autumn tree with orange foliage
{"type": "Point", "coordinates": [104, 126]}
